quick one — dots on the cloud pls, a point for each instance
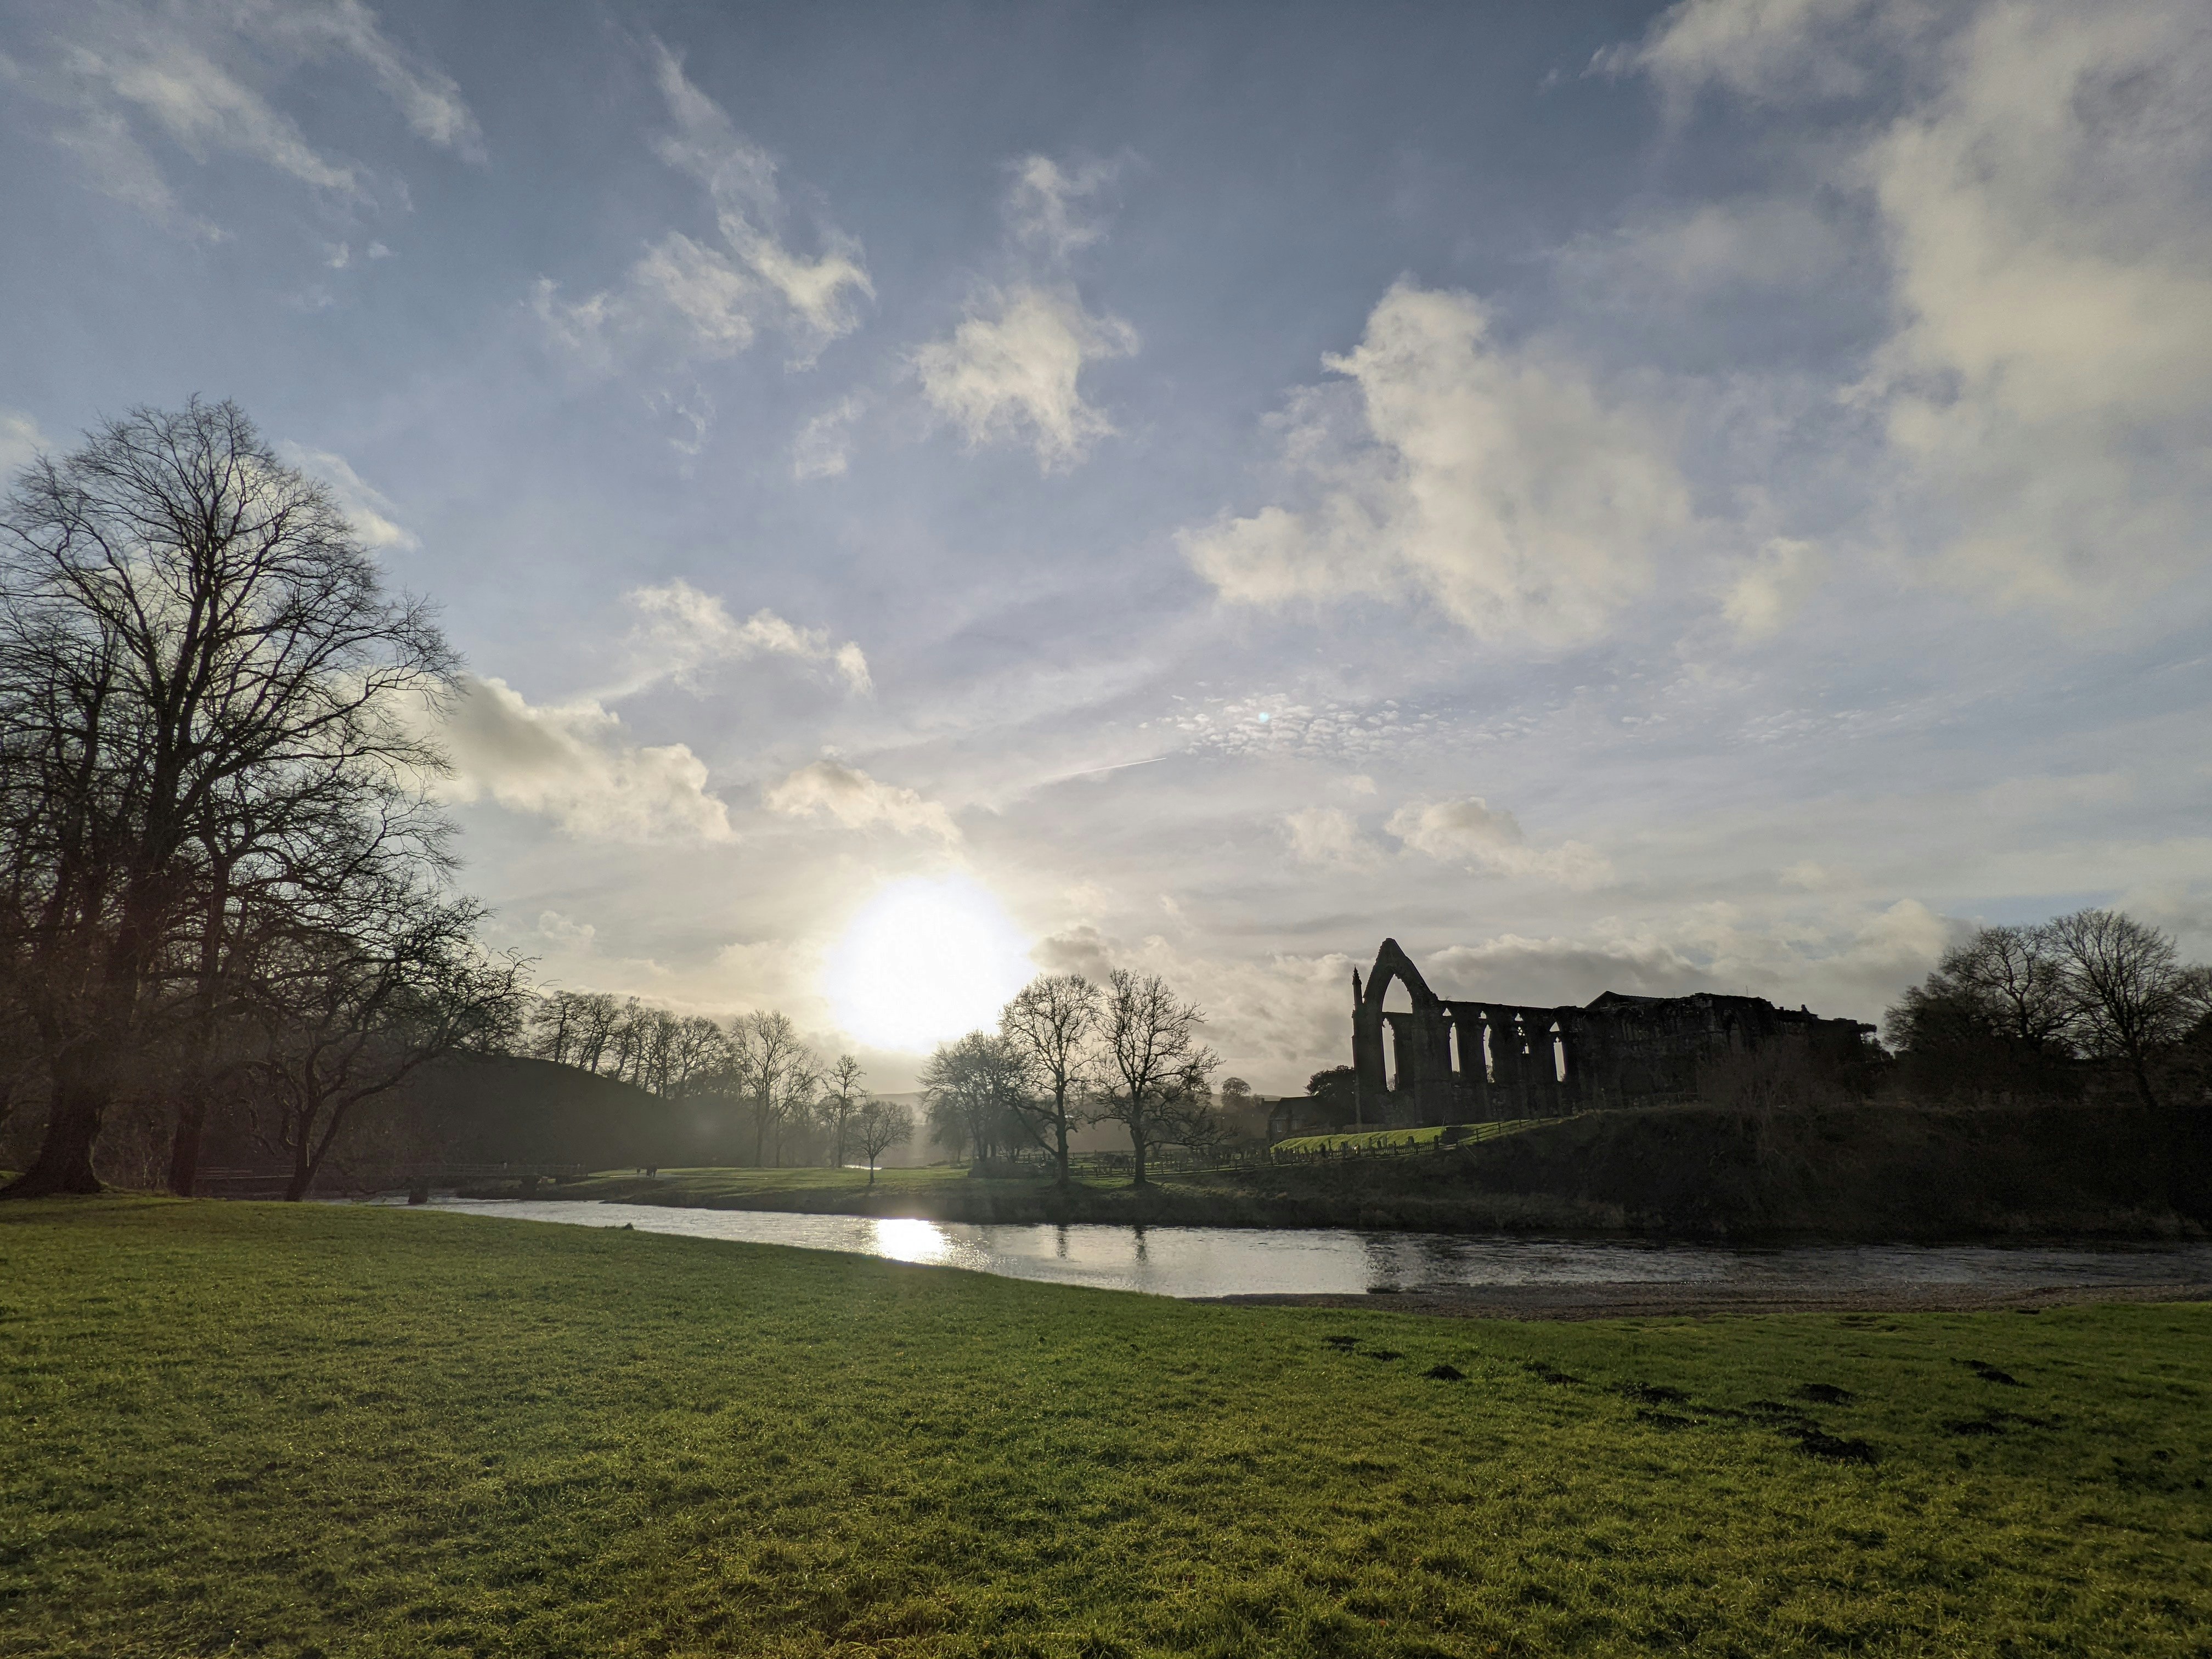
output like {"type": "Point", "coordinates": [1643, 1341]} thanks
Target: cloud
{"type": "Point", "coordinates": [1468, 831]}
{"type": "Point", "coordinates": [21, 442]}
{"type": "Point", "coordinates": [1747, 244]}
{"type": "Point", "coordinates": [1852, 964]}
{"type": "Point", "coordinates": [368, 508]}
{"type": "Point", "coordinates": [202, 76]}
{"type": "Point", "coordinates": [2042, 179]}
{"type": "Point", "coordinates": [681, 629]}
{"type": "Point", "coordinates": [1329, 836]}
{"type": "Point", "coordinates": [706, 299]}
{"type": "Point", "coordinates": [576, 764]}
{"type": "Point", "coordinates": [1502, 486]}
{"type": "Point", "coordinates": [1771, 590]}
{"type": "Point", "coordinates": [1760, 49]}
{"type": "Point", "coordinates": [1043, 207]}
{"type": "Point", "coordinates": [823, 447]}
{"type": "Point", "coordinates": [859, 801]}
{"type": "Point", "coordinates": [1010, 371]}
{"type": "Point", "coordinates": [566, 929]}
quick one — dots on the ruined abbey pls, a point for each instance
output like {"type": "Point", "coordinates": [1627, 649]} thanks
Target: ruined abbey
{"type": "Point", "coordinates": [1461, 1062]}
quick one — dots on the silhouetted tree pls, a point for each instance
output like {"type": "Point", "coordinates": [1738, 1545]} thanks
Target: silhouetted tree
{"type": "Point", "coordinates": [971, 1088]}
{"type": "Point", "coordinates": [201, 680]}
{"type": "Point", "coordinates": [1052, 1024]}
{"type": "Point", "coordinates": [2132, 996]}
{"type": "Point", "coordinates": [1152, 1059]}
{"type": "Point", "coordinates": [841, 1097]}
{"type": "Point", "coordinates": [879, 1126]}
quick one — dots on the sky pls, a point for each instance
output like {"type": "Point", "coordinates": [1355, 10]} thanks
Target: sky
{"type": "Point", "coordinates": [1615, 496]}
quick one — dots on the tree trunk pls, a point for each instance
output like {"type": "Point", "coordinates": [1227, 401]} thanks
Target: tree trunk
{"type": "Point", "coordinates": [64, 1160]}
{"type": "Point", "coordinates": [1137, 1145]}
{"type": "Point", "coordinates": [184, 1150]}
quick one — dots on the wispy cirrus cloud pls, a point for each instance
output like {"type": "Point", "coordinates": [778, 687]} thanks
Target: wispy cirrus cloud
{"type": "Point", "coordinates": [133, 87]}
{"type": "Point", "coordinates": [689, 299]}
{"type": "Point", "coordinates": [682, 630]}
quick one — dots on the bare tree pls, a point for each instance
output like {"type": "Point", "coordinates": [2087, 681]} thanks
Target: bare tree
{"type": "Point", "coordinates": [2131, 993]}
{"type": "Point", "coordinates": [776, 1074]}
{"type": "Point", "coordinates": [1052, 1023]}
{"type": "Point", "coordinates": [879, 1126]}
{"type": "Point", "coordinates": [971, 1088]}
{"type": "Point", "coordinates": [356, 1008]}
{"type": "Point", "coordinates": [190, 631]}
{"type": "Point", "coordinates": [841, 1097]}
{"type": "Point", "coordinates": [1154, 1060]}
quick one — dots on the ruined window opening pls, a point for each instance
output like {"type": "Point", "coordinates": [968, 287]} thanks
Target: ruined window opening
{"type": "Point", "coordinates": [1457, 1069]}
{"type": "Point", "coordinates": [1489, 1058]}
{"type": "Point", "coordinates": [1558, 1057]}
{"type": "Point", "coordinates": [1389, 1053]}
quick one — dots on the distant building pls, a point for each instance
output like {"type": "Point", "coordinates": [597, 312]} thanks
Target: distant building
{"type": "Point", "coordinates": [1458, 1062]}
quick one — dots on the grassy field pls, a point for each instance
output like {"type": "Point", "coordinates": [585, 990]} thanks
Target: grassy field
{"type": "Point", "coordinates": [241, 1429]}
{"type": "Point", "coordinates": [1369, 1140]}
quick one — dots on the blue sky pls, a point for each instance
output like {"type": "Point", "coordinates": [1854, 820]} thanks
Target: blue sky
{"type": "Point", "coordinates": [1616, 496]}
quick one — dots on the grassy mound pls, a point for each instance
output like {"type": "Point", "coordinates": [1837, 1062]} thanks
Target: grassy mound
{"type": "Point", "coordinates": [247, 1429]}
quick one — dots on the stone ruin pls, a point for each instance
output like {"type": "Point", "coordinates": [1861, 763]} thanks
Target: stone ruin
{"type": "Point", "coordinates": [1463, 1062]}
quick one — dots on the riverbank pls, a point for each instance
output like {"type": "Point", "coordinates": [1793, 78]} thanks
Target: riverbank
{"type": "Point", "coordinates": [1638, 1300]}
{"type": "Point", "coordinates": [1861, 1174]}
{"type": "Point", "coordinates": [325, 1429]}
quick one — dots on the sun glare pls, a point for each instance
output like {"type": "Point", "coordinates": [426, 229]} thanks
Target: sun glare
{"type": "Point", "coordinates": [923, 961]}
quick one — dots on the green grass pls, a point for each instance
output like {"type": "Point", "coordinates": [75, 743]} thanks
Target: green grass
{"type": "Point", "coordinates": [1369, 1140]}
{"type": "Point", "coordinates": [241, 1429]}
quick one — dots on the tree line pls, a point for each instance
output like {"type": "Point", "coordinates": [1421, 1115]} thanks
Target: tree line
{"type": "Point", "coordinates": [793, 1106]}
{"type": "Point", "coordinates": [1066, 1053]}
{"type": "Point", "coordinates": [2047, 1009]}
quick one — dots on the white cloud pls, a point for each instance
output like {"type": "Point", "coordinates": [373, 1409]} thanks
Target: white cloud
{"type": "Point", "coordinates": [823, 448]}
{"type": "Point", "coordinates": [566, 929]}
{"type": "Point", "coordinates": [1755, 243]}
{"type": "Point", "coordinates": [1503, 486]}
{"type": "Point", "coordinates": [202, 76]}
{"type": "Point", "coordinates": [859, 801]}
{"type": "Point", "coordinates": [1756, 48]}
{"type": "Point", "coordinates": [577, 764]}
{"type": "Point", "coordinates": [1773, 587]}
{"type": "Point", "coordinates": [368, 508]}
{"type": "Point", "coordinates": [1011, 372]}
{"type": "Point", "coordinates": [682, 630]}
{"type": "Point", "coordinates": [2050, 385]}
{"type": "Point", "coordinates": [1044, 206]}
{"type": "Point", "coordinates": [1469, 831]}
{"type": "Point", "coordinates": [21, 442]}
{"type": "Point", "coordinates": [697, 299]}
{"type": "Point", "coordinates": [2044, 191]}
{"type": "Point", "coordinates": [1329, 836]}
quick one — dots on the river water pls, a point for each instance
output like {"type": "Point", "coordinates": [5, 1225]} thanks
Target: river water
{"type": "Point", "coordinates": [1188, 1261]}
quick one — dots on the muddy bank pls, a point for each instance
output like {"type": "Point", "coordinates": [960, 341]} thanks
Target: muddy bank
{"type": "Point", "coordinates": [1642, 1301]}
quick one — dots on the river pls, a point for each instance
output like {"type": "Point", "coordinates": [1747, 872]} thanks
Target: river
{"type": "Point", "coordinates": [1196, 1262]}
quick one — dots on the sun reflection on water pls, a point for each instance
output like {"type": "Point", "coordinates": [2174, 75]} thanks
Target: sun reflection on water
{"type": "Point", "coordinates": [902, 1239]}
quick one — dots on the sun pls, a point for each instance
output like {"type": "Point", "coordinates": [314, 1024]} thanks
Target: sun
{"type": "Point", "coordinates": [924, 961]}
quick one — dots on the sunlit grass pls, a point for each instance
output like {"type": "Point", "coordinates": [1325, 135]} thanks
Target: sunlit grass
{"type": "Point", "coordinates": [241, 1429]}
